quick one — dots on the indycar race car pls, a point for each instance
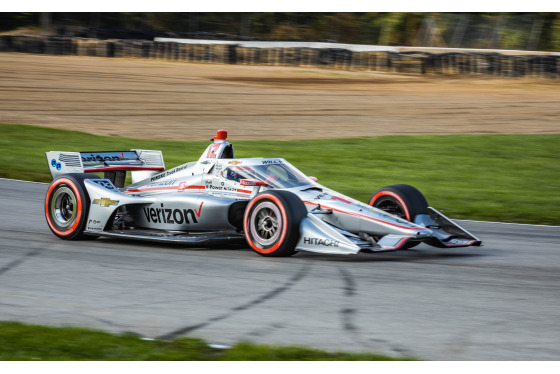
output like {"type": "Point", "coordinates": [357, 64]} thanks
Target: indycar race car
{"type": "Point", "coordinates": [264, 202]}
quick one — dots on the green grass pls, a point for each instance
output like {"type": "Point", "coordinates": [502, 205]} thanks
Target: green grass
{"type": "Point", "coordinates": [22, 342]}
{"type": "Point", "coordinates": [510, 178]}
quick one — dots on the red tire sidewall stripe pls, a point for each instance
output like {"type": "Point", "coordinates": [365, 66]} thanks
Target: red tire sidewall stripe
{"type": "Point", "coordinates": [284, 225]}
{"type": "Point", "coordinates": [394, 195]}
{"type": "Point", "coordinates": [74, 188]}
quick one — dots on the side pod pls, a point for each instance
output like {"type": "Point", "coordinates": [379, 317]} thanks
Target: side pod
{"type": "Point", "coordinates": [319, 236]}
{"type": "Point", "coordinates": [105, 199]}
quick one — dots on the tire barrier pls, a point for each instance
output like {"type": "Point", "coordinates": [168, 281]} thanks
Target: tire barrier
{"type": "Point", "coordinates": [417, 63]}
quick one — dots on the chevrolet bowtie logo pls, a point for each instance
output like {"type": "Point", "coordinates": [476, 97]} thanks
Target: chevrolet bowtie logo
{"type": "Point", "coordinates": [105, 201]}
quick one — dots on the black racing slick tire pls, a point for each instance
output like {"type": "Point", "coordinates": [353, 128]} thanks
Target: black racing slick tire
{"type": "Point", "coordinates": [271, 223]}
{"type": "Point", "coordinates": [401, 200]}
{"type": "Point", "coordinates": [67, 205]}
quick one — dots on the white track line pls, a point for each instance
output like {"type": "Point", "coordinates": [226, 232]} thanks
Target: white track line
{"type": "Point", "coordinates": [17, 180]}
{"type": "Point", "coordinates": [506, 223]}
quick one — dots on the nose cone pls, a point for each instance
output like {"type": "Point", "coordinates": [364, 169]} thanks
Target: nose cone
{"type": "Point", "coordinates": [424, 233]}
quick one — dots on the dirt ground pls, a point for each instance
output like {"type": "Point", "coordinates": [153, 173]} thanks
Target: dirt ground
{"type": "Point", "coordinates": [155, 99]}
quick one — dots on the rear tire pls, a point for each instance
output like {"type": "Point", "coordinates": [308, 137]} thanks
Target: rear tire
{"type": "Point", "coordinates": [401, 200]}
{"type": "Point", "coordinates": [67, 206]}
{"type": "Point", "coordinates": [271, 223]}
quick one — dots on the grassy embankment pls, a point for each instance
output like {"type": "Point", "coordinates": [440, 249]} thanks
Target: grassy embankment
{"type": "Point", "coordinates": [21, 342]}
{"type": "Point", "coordinates": [510, 178]}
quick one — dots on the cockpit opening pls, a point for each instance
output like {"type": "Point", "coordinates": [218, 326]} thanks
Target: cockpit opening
{"type": "Point", "coordinates": [278, 175]}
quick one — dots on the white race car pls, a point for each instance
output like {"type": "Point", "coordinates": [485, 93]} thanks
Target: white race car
{"type": "Point", "coordinates": [264, 202]}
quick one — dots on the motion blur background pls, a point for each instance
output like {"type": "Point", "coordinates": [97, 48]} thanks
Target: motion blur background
{"type": "Point", "coordinates": [494, 30]}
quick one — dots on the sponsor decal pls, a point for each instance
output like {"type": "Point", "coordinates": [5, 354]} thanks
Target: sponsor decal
{"type": "Point", "coordinates": [161, 184]}
{"type": "Point", "coordinates": [56, 164]}
{"type": "Point", "coordinates": [250, 182]}
{"type": "Point", "coordinates": [168, 173]}
{"type": "Point", "coordinates": [172, 216]}
{"type": "Point", "coordinates": [210, 186]}
{"type": "Point", "coordinates": [98, 158]}
{"type": "Point", "coordinates": [156, 177]}
{"type": "Point", "coordinates": [104, 201]}
{"type": "Point", "coordinates": [94, 225]}
{"type": "Point", "coordinates": [221, 188]}
{"type": "Point", "coordinates": [324, 242]}
{"type": "Point", "coordinates": [104, 183]}
{"type": "Point", "coordinates": [234, 162]}
{"type": "Point", "coordinates": [271, 162]}
{"type": "Point", "coordinates": [320, 196]}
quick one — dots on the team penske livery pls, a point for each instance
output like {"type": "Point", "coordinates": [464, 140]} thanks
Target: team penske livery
{"type": "Point", "coordinates": [265, 203]}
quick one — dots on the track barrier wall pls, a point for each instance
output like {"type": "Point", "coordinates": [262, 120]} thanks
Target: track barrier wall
{"type": "Point", "coordinates": [489, 63]}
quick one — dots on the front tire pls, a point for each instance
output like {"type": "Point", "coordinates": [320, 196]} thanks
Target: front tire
{"type": "Point", "coordinates": [400, 200]}
{"type": "Point", "coordinates": [271, 223]}
{"type": "Point", "coordinates": [67, 206]}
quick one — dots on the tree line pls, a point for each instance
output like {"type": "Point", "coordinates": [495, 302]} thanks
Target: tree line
{"type": "Point", "coordinates": [500, 30]}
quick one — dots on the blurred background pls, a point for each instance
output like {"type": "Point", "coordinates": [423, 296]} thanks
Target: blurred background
{"type": "Point", "coordinates": [495, 30]}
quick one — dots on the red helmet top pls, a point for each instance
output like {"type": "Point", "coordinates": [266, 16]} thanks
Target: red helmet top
{"type": "Point", "coordinates": [221, 135]}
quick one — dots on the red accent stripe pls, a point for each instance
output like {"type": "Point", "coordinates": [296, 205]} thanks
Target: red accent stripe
{"type": "Point", "coordinates": [113, 168]}
{"type": "Point", "coordinates": [366, 217]}
{"type": "Point", "coordinates": [175, 188]}
{"type": "Point", "coordinates": [163, 188]}
{"type": "Point", "coordinates": [402, 240]}
{"type": "Point", "coordinates": [151, 189]}
{"type": "Point", "coordinates": [341, 199]}
{"type": "Point", "coordinates": [399, 244]}
{"type": "Point", "coordinates": [193, 187]}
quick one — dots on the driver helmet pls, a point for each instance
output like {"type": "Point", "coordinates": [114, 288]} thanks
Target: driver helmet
{"type": "Point", "coordinates": [233, 175]}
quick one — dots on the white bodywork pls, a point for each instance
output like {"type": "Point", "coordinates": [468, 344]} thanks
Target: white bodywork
{"type": "Point", "coordinates": [211, 193]}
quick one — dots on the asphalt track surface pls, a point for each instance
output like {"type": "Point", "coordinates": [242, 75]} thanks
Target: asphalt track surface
{"type": "Point", "coordinates": [497, 302]}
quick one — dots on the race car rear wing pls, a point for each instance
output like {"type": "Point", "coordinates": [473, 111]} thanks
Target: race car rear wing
{"type": "Point", "coordinates": [141, 164]}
